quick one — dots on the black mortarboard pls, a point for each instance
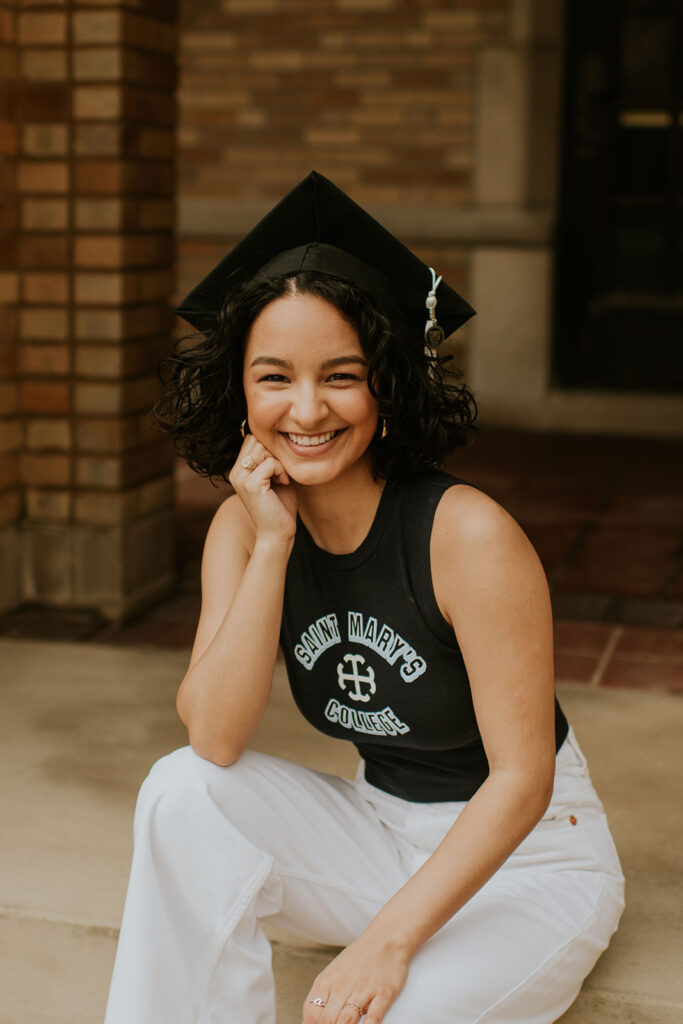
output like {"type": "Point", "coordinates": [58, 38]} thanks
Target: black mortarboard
{"type": "Point", "coordinates": [318, 227]}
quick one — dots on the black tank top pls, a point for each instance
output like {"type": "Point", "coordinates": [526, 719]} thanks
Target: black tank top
{"type": "Point", "coordinates": [371, 659]}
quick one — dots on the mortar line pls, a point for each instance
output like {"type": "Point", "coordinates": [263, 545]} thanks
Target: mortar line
{"type": "Point", "coordinates": [604, 658]}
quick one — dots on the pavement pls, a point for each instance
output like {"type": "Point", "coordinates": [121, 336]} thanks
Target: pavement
{"type": "Point", "coordinates": [82, 723]}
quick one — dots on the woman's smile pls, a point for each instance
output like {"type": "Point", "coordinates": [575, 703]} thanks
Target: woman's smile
{"type": "Point", "coordinates": [315, 444]}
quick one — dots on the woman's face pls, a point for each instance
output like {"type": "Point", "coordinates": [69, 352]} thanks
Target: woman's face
{"type": "Point", "coordinates": [305, 382]}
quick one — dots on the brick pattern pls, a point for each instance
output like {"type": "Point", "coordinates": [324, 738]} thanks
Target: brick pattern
{"type": "Point", "coordinates": [10, 426]}
{"type": "Point", "coordinates": [378, 94]}
{"type": "Point", "coordinates": [94, 149]}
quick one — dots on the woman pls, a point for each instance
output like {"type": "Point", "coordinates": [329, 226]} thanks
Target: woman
{"type": "Point", "coordinates": [415, 620]}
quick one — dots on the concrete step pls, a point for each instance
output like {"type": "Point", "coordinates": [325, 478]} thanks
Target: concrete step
{"type": "Point", "coordinates": [80, 725]}
{"type": "Point", "coordinates": [58, 973]}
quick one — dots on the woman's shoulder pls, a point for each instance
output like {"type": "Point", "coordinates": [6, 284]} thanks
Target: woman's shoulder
{"type": "Point", "coordinates": [468, 518]}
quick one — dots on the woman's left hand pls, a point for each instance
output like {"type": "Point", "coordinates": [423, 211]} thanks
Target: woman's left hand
{"type": "Point", "coordinates": [365, 978]}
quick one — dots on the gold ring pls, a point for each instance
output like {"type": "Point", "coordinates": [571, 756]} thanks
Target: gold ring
{"type": "Point", "coordinates": [248, 463]}
{"type": "Point", "coordinates": [354, 1007]}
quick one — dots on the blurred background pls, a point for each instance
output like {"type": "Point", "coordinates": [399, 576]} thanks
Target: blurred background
{"type": "Point", "coordinates": [531, 152]}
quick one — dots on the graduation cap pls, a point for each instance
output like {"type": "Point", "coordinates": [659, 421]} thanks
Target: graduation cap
{"type": "Point", "coordinates": [318, 227]}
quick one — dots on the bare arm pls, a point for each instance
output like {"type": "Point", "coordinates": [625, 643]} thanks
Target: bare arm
{"type": "Point", "coordinates": [490, 585]}
{"type": "Point", "coordinates": [226, 688]}
{"type": "Point", "coordinates": [496, 597]}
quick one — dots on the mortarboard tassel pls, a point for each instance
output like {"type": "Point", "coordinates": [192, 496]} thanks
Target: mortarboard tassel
{"type": "Point", "coordinates": [434, 334]}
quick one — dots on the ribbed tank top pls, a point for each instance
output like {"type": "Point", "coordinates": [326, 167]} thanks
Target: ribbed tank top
{"type": "Point", "coordinates": [371, 659]}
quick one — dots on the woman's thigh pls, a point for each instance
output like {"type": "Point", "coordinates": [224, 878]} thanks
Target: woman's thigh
{"type": "Point", "coordinates": [334, 862]}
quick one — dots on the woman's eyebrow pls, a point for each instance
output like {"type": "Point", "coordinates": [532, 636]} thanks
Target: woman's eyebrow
{"type": "Point", "coordinates": [340, 360]}
{"type": "Point", "coordinates": [272, 361]}
{"type": "Point", "coordinates": [337, 361]}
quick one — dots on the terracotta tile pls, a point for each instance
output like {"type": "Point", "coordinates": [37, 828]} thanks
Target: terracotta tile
{"type": "Point", "coordinates": [631, 561]}
{"type": "Point", "coordinates": [574, 667]}
{"type": "Point", "coordinates": [600, 579]}
{"type": "Point", "coordinates": [657, 644]}
{"type": "Point", "coordinates": [634, 673]}
{"type": "Point", "coordinates": [582, 607]}
{"type": "Point", "coordinates": [658, 614]}
{"type": "Point", "coordinates": [583, 637]}
{"type": "Point", "coordinates": [552, 542]}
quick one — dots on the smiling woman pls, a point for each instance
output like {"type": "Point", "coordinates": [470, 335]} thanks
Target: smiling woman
{"type": "Point", "coordinates": [414, 619]}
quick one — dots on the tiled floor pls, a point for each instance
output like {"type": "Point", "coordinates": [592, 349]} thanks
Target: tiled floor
{"type": "Point", "coordinates": [605, 515]}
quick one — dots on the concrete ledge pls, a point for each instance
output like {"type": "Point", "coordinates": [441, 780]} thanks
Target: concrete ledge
{"type": "Point", "coordinates": [80, 726]}
{"type": "Point", "coordinates": [628, 414]}
{"type": "Point", "coordinates": [489, 224]}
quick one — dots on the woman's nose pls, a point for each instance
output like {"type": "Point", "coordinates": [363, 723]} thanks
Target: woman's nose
{"type": "Point", "coordinates": [309, 407]}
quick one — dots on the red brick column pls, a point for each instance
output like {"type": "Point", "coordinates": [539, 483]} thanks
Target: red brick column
{"type": "Point", "coordinates": [96, 176]}
{"type": "Point", "coordinates": [10, 426]}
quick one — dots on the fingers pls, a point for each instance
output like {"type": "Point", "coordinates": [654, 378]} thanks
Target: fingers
{"type": "Point", "coordinates": [351, 1012]}
{"type": "Point", "coordinates": [315, 1008]}
{"type": "Point", "coordinates": [332, 1010]}
{"type": "Point", "coordinates": [253, 456]}
{"type": "Point", "coordinates": [377, 1009]}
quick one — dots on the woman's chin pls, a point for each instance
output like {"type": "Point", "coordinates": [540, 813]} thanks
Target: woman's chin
{"type": "Point", "coordinates": [309, 473]}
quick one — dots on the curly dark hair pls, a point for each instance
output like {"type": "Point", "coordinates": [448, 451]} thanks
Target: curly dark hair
{"type": "Point", "coordinates": [426, 410]}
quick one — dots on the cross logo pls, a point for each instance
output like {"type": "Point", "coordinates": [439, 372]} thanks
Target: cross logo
{"type": "Point", "coordinates": [354, 676]}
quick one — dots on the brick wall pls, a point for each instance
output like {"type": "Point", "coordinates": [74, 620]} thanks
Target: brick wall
{"type": "Point", "coordinates": [95, 179]}
{"type": "Point", "coordinates": [10, 426]}
{"type": "Point", "coordinates": [377, 94]}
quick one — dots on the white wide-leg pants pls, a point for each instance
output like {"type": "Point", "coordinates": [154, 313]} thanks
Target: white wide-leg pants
{"type": "Point", "coordinates": [218, 848]}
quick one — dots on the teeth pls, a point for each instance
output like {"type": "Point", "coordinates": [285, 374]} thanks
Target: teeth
{"type": "Point", "coordinates": [307, 440]}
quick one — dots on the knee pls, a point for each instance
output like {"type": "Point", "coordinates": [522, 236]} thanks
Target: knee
{"type": "Point", "coordinates": [170, 787]}
{"type": "Point", "coordinates": [179, 784]}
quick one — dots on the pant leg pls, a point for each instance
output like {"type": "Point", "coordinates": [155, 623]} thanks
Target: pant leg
{"type": "Point", "coordinates": [216, 849]}
{"type": "Point", "coordinates": [520, 949]}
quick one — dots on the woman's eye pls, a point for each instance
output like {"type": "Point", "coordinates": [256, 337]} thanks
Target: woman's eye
{"type": "Point", "coordinates": [344, 376]}
{"type": "Point", "coordinates": [277, 378]}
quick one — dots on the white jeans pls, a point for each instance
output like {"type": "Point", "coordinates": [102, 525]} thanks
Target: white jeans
{"type": "Point", "coordinates": [218, 848]}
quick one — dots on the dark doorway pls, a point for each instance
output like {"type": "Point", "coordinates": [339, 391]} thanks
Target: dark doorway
{"type": "Point", "coordinates": [620, 257]}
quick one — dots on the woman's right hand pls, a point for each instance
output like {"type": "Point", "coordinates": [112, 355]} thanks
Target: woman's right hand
{"type": "Point", "coordinates": [266, 492]}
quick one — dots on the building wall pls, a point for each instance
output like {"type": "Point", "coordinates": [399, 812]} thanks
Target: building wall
{"type": "Point", "coordinates": [379, 95]}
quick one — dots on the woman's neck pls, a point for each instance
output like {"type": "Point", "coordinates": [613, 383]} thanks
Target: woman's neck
{"type": "Point", "coordinates": [338, 515]}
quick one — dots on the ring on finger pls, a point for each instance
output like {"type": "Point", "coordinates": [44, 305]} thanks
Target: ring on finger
{"type": "Point", "coordinates": [246, 462]}
{"type": "Point", "coordinates": [354, 1006]}
{"type": "Point", "coordinates": [317, 1002]}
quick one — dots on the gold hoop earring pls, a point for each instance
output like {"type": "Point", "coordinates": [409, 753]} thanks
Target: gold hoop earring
{"type": "Point", "coordinates": [384, 429]}
{"type": "Point", "coordinates": [243, 428]}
